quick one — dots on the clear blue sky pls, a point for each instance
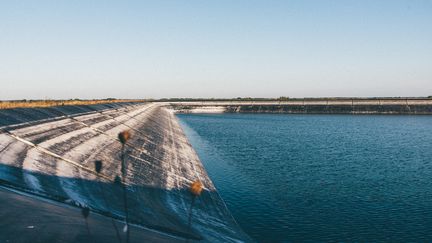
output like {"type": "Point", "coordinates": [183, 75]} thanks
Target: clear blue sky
{"type": "Point", "coordinates": [215, 48]}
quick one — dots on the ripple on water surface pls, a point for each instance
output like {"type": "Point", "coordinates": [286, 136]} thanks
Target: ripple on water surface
{"type": "Point", "coordinates": [297, 178]}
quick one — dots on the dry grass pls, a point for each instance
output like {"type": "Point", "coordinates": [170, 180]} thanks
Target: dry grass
{"type": "Point", "coordinates": [48, 103]}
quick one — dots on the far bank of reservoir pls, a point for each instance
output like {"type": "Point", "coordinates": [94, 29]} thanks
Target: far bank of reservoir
{"type": "Point", "coordinates": [400, 106]}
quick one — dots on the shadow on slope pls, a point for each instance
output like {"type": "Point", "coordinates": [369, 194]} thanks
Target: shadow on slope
{"type": "Point", "coordinates": [153, 207]}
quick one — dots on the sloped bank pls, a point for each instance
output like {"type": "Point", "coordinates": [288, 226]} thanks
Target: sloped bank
{"type": "Point", "coordinates": [50, 152]}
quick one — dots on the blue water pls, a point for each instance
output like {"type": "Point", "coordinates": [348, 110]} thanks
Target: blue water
{"type": "Point", "coordinates": [320, 178]}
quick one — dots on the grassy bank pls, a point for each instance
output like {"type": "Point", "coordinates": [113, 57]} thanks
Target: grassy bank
{"type": "Point", "coordinates": [47, 103]}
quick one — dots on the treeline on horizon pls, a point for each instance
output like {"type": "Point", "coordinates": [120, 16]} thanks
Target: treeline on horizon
{"type": "Point", "coordinates": [285, 98]}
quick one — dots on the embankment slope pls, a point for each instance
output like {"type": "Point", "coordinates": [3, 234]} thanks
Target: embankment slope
{"type": "Point", "coordinates": [50, 152]}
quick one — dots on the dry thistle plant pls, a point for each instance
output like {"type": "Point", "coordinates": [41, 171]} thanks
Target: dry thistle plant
{"type": "Point", "coordinates": [98, 168]}
{"type": "Point", "coordinates": [124, 137]}
{"type": "Point", "coordinates": [195, 189]}
{"type": "Point", "coordinates": [85, 211]}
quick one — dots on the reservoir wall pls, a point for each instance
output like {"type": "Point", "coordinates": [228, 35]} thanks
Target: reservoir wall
{"type": "Point", "coordinates": [51, 153]}
{"type": "Point", "coordinates": [311, 106]}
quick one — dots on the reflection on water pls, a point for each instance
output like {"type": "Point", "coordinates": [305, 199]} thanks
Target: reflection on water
{"type": "Point", "coordinates": [296, 178]}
